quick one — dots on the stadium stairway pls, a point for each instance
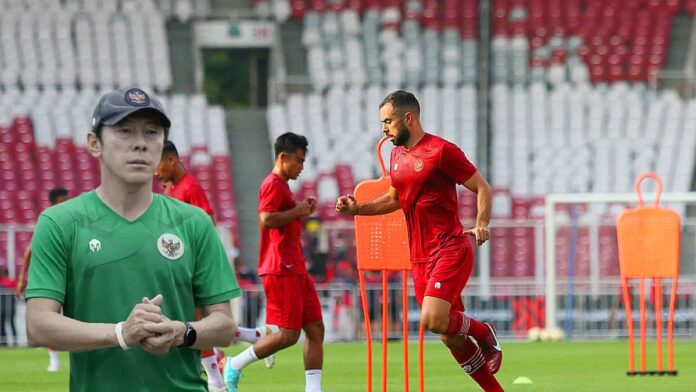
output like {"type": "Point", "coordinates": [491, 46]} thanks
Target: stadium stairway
{"type": "Point", "coordinates": [294, 52]}
{"type": "Point", "coordinates": [680, 38]}
{"type": "Point", "coordinates": [180, 36]}
{"type": "Point", "coordinates": [246, 138]}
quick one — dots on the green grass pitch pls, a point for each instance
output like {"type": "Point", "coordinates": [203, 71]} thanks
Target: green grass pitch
{"type": "Point", "coordinates": [574, 366]}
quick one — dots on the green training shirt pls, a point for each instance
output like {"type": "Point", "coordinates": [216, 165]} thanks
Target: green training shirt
{"type": "Point", "coordinates": [100, 265]}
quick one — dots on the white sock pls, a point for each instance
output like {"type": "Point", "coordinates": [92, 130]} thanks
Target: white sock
{"type": "Point", "coordinates": [244, 359]}
{"type": "Point", "coordinates": [247, 334]}
{"type": "Point", "coordinates": [213, 371]}
{"type": "Point", "coordinates": [313, 380]}
{"type": "Point", "coordinates": [53, 355]}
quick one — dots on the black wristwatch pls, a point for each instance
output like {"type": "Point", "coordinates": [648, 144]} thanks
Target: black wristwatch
{"type": "Point", "coordinates": [189, 336]}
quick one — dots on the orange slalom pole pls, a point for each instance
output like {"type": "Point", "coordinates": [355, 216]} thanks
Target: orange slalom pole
{"type": "Point", "coordinates": [670, 326]}
{"type": "Point", "coordinates": [385, 332]}
{"type": "Point", "coordinates": [643, 321]}
{"type": "Point", "coordinates": [421, 363]}
{"type": "Point", "coordinates": [629, 324]}
{"type": "Point", "coordinates": [404, 322]}
{"type": "Point", "coordinates": [368, 333]}
{"type": "Point", "coordinates": [658, 323]}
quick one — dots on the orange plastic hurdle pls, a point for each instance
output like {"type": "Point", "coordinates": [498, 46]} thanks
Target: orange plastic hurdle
{"type": "Point", "coordinates": [649, 239]}
{"type": "Point", "coordinates": [382, 245]}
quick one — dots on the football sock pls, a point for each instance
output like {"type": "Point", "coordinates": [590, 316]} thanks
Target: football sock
{"type": "Point", "coordinates": [209, 361]}
{"type": "Point", "coordinates": [471, 360]}
{"type": "Point", "coordinates": [313, 380]}
{"type": "Point", "coordinates": [247, 334]}
{"type": "Point", "coordinates": [461, 324]}
{"type": "Point", "coordinates": [243, 359]}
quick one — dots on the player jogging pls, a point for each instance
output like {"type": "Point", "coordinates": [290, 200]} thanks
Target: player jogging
{"type": "Point", "coordinates": [425, 170]}
{"type": "Point", "coordinates": [291, 299]}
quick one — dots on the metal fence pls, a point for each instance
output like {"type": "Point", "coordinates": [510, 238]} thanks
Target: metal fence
{"type": "Point", "coordinates": [514, 308]}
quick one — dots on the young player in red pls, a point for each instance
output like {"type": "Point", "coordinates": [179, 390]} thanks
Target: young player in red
{"type": "Point", "coordinates": [291, 299]}
{"type": "Point", "coordinates": [181, 185]}
{"type": "Point", "coordinates": [425, 170]}
{"type": "Point", "coordinates": [185, 187]}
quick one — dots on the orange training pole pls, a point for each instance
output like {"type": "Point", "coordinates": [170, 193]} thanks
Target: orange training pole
{"type": "Point", "coordinates": [649, 242]}
{"type": "Point", "coordinates": [368, 333]}
{"type": "Point", "coordinates": [629, 323]}
{"type": "Point", "coordinates": [658, 322]}
{"type": "Point", "coordinates": [670, 326]}
{"type": "Point", "coordinates": [421, 363]}
{"type": "Point", "coordinates": [641, 285]}
{"type": "Point", "coordinates": [381, 244]}
{"type": "Point", "coordinates": [385, 332]}
{"type": "Point", "coordinates": [404, 322]}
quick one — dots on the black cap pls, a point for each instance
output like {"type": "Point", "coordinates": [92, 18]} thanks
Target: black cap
{"type": "Point", "coordinates": [119, 104]}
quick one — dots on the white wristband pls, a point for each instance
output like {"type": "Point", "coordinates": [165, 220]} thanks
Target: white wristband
{"type": "Point", "coordinates": [119, 336]}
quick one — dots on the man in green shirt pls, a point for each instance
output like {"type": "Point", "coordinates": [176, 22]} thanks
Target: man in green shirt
{"type": "Point", "coordinates": [128, 267]}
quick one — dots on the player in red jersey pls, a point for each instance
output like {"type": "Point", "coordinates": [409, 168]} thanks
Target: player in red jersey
{"type": "Point", "coordinates": [181, 185]}
{"type": "Point", "coordinates": [292, 302]}
{"type": "Point", "coordinates": [425, 170]}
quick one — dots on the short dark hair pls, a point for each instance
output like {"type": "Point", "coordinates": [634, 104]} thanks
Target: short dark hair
{"type": "Point", "coordinates": [57, 192]}
{"type": "Point", "coordinates": [169, 148]}
{"type": "Point", "coordinates": [289, 143]}
{"type": "Point", "coordinates": [402, 102]}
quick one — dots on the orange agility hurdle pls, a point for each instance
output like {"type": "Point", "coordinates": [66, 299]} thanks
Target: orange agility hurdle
{"type": "Point", "coordinates": [648, 239]}
{"type": "Point", "coordinates": [382, 245]}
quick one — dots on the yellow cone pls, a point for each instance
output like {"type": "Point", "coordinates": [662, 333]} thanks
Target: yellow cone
{"type": "Point", "coordinates": [523, 380]}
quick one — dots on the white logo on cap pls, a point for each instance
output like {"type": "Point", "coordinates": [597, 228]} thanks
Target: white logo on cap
{"type": "Point", "coordinates": [137, 97]}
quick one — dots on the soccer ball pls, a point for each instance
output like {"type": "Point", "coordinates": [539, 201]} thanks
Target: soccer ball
{"type": "Point", "coordinates": [534, 334]}
{"type": "Point", "coordinates": [556, 334]}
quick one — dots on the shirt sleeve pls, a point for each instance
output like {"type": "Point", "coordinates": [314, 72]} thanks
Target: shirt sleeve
{"type": "Point", "coordinates": [198, 198]}
{"type": "Point", "coordinates": [455, 164]}
{"type": "Point", "coordinates": [49, 261]}
{"type": "Point", "coordinates": [270, 197]}
{"type": "Point", "coordinates": [213, 279]}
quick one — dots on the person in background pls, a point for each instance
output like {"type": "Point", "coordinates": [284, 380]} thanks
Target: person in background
{"type": "Point", "coordinates": [7, 308]}
{"type": "Point", "coordinates": [56, 196]}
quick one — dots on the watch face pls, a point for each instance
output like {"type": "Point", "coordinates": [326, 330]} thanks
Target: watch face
{"type": "Point", "coordinates": [190, 336]}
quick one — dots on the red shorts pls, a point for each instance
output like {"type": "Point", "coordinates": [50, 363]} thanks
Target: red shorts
{"type": "Point", "coordinates": [291, 301]}
{"type": "Point", "coordinates": [444, 277]}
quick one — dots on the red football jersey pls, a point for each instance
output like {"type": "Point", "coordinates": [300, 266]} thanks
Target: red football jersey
{"type": "Point", "coordinates": [426, 178]}
{"type": "Point", "coordinates": [190, 191]}
{"type": "Point", "coordinates": [281, 248]}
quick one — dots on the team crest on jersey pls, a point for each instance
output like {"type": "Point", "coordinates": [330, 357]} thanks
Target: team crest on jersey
{"type": "Point", "coordinates": [396, 166]}
{"type": "Point", "coordinates": [418, 165]}
{"type": "Point", "coordinates": [170, 246]}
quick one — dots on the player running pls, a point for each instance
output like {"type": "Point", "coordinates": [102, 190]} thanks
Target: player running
{"type": "Point", "coordinates": [291, 299]}
{"type": "Point", "coordinates": [425, 170]}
